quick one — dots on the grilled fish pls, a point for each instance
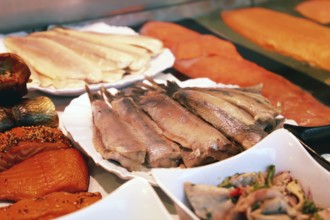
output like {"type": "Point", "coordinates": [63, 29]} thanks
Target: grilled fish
{"type": "Point", "coordinates": [183, 127]}
{"type": "Point", "coordinates": [114, 138]}
{"type": "Point", "coordinates": [263, 113]}
{"type": "Point", "coordinates": [51, 171]}
{"type": "Point", "coordinates": [229, 119]}
{"type": "Point", "coordinates": [161, 151]}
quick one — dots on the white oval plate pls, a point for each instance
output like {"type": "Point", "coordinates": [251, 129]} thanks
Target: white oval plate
{"type": "Point", "coordinates": [135, 199]}
{"type": "Point", "coordinates": [280, 148]}
{"type": "Point", "coordinates": [77, 120]}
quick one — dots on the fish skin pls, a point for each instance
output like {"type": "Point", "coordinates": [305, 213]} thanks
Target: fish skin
{"type": "Point", "coordinates": [255, 104]}
{"type": "Point", "coordinates": [48, 207]}
{"type": "Point", "coordinates": [57, 170]}
{"type": "Point", "coordinates": [219, 113]}
{"type": "Point", "coordinates": [161, 151]}
{"type": "Point", "coordinates": [115, 134]}
{"type": "Point", "coordinates": [183, 127]}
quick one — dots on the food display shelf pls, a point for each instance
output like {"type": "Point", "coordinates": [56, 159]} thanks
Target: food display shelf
{"type": "Point", "coordinates": [204, 17]}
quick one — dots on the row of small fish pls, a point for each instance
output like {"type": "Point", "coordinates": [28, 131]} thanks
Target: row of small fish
{"type": "Point", "coordinates": [164, 125]}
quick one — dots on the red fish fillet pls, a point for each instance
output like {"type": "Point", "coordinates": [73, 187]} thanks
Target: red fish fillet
{"type": "Point", "coordinates": [48, 207]}
{"type": "Point", "coordinates": [221, 62]}
{"type": "Point", "coordinates": [299, 38]}
{"type": "Point", "coordinates": [318, 10]}
{"type": "Point", "coordinates": [46, 172]}
{"type": "Point", "coordinates": [21, 143]}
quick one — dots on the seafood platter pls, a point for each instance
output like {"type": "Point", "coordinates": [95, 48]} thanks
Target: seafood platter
{"type": "Point", "coordinates": [164, 119]}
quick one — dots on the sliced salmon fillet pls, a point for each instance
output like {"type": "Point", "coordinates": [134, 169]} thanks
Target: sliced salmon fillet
{"type": "Point", "coordinates": [48, 207]}
{"type": "Point", "coordinates": [220, 62]}
{"type": "Point", "coordinates": [44, 173]}
{"type": "Point", "coordinates": [21, 143]}
{"type": "Point", "coordinates": [318, 10]}
{"type": "Point", "coordinates": [299, 38]}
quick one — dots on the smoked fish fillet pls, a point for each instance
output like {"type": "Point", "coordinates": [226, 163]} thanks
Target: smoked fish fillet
{"type": "Point", "coordinates": [51, 171]}
{"type": "Point", "coordinates": [221, 62]}
{"type": "Point", "coordinates": [291, 36]}
{"type": "Point", "coordinates": [21, 143]}
{"type": "Point", "coordinates": [55, 61]}
{"type": "Point", "coordinates": [48, 207]}
{"type": "Point", "coordinates": [318, 10]}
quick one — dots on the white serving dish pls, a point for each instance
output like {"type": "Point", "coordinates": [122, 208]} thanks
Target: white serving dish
{"type": "Point", "coordinates": [135, 199]}
{"type": "Point", "coordinates": [280, 148]}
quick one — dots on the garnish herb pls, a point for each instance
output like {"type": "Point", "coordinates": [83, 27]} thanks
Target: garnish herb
{"type": "Point", "coordinates": [270, 175]}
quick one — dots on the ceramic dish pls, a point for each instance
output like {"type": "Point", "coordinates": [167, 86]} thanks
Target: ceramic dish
{"type": "Point", "coordinates": [135, 199]}
{"type": "Point", "coordinates": [77, 120]}
{"type": "Point", "coordinates": [280, 148]}
{"type": "Point", "coordinates": [157, 64]}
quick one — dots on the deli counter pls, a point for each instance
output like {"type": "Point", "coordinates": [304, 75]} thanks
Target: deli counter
{"type": "Point", "coordinates": [201, 54]}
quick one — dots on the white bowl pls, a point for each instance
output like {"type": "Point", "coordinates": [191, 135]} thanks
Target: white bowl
{"type": "Point", "coordinates": [280, 148]}
{"type": "Point", "coordinates": [136, 199]}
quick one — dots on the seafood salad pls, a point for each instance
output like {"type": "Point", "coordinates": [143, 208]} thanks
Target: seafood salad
{"type": "Point", "coordinates": [254, 195]}
{"type": "Point", "coordinates": [150, 124]}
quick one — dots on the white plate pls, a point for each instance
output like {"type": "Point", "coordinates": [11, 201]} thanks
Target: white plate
{"type": "Point", "coordinates": [77, 120]}
{"type": "Point", "coordinates": [135, 199]}
{"type": "Point", "coordinates": [157, 64]}
{"type": "Point", "coordinates": [280, 148]}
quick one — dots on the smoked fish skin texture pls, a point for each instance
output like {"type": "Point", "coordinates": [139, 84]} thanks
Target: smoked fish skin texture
{"type": "Point", "coordinates": [282, 33]}
{"type": "Point", "coordinates": [294, 102]}
{"type": "Point", "coordinates": [58, 170]}
{"type": "Point", "coordinates": [48, 207]}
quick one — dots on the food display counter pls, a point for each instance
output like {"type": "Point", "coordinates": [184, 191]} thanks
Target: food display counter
{"type": "Point", "coordinates": [203, 17]}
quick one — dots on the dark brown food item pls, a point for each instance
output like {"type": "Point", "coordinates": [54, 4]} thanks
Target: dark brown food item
{"type": "Point", "coordinates": [21, 143]}
{"type": "Point", "coordinates": [14, 74]}
{"type": "Point", "coordinates": [48, 207]}
{"type": "Point", "coordinates": [51, 171]}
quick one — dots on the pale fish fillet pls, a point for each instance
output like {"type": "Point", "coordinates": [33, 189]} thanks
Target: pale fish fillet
{"type": "Point", "coordinates": [152, 45]}
{"type": "Point", "coordinates": [140, 56]}
{"type": "Point", "coordinates": [161, 151]}
{"type": "Point", "coordinates": [115, 134]}
{"type": "Point", "coordinates": [54, 60]}
{"type": "Point", "coordinates": [112, 75]}
{"type": "Point", "coordinates": [106, 58]}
